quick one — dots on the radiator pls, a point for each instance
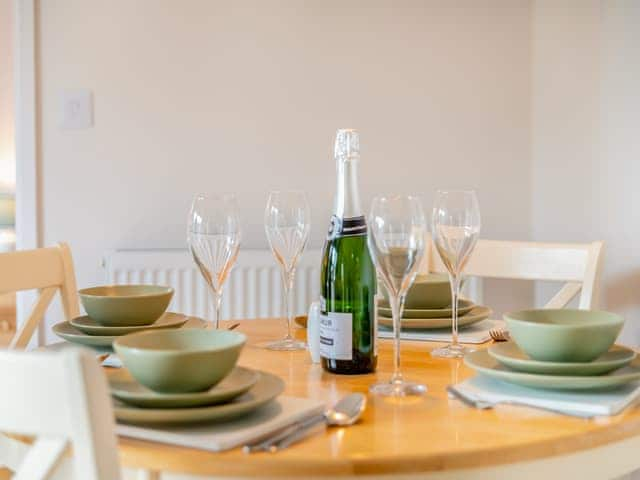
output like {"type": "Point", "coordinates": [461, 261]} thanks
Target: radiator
{"type": "Point", "coordinates": [253, 290]}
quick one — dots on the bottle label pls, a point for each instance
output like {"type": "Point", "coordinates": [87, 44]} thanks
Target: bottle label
{"type": "Point", "coordinates": [336, 335]}
{"type": "Point", "coordinates": [347, 227]}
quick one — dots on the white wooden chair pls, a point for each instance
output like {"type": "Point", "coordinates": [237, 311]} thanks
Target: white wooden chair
{"type": "Point", "coordinates": [63, 400]}
{"type": "Point", "coordinates": [47, 269]}
{"type": "Point", "coordinates": [577, 264]}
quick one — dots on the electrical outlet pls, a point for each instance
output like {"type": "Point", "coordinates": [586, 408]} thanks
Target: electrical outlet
{"type": "Point", "coordinates": [76, 109]}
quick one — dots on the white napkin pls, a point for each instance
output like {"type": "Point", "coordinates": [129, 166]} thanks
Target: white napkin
{"type": "Point", "coordinates": [112, 361]}
{"type": "Point", "coordinates": [476, 333]}
{"type": "Point", "coordinates": [224, 436]}
{"type": "Point", "coordinates": [587, 404]}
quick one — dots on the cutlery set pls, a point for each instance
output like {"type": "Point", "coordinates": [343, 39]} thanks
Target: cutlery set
{"type": "Point", "coordinates": [345, 413]}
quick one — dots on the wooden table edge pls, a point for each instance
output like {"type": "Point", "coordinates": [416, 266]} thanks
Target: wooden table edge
{"type": "Point", "coordinates": [266, 464]}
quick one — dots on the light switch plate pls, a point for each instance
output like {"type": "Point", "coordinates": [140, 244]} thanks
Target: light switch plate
{"type": "Point", "coordinates": [76, 109]}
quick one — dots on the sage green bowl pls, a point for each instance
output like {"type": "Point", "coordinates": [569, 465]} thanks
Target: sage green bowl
{"type": "Point", "coordinates": [180, 361]}
{"type": "Point", "coordinates": [564, 335]}
{"type": "Point", "coordinates": [126, 305]}
{"type": "Point", "coordinates": [428, 291]}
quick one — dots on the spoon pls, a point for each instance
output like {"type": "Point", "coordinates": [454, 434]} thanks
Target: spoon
{"type": "Point", "coordinates": [345, 413]}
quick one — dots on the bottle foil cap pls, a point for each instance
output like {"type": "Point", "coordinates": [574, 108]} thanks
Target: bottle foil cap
{"type": "Point", "coordinates": [347, 144]}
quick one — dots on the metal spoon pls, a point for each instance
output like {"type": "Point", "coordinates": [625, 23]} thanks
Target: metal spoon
{"type": "Point", "coordinates": [346, 412]}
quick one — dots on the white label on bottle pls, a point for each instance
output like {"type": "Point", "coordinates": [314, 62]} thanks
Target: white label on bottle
{"type": "Point", "coordinates": [336, 331]}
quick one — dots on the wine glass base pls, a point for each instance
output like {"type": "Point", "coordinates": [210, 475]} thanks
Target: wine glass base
{"type": "Point", "coordinates": [451, 351]}
{"type": "Point", "coordinates": [398, 389]}
{"type": "Point", "coordinates": [286, 345]}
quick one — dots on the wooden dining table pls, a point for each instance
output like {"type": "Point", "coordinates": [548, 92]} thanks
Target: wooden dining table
{"type": "Point", "coordinates": [432, 436]}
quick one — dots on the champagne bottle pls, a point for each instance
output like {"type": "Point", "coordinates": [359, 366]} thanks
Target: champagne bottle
{"type": "Point", "coordinates": [348, 276]}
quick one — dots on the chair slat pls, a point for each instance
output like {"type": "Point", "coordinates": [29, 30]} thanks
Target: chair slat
{"type": "Point", "coordinates": [25, 332]}
{"type": "Point", "coordinates": [41, 459]}
{"type": "Point", "coordinates": [30, 269]}
{"type": "Point", "coordinates": [565, 295]}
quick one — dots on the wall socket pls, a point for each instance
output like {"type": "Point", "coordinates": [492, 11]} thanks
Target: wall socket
{"type": "Point", "coordinates": [76, 109]}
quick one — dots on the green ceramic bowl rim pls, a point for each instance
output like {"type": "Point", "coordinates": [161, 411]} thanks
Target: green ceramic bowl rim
{"type": "Point", "coordinates": [86, 292]}
{"type": "Point", "coordinates": [531, 362]}
{"type": "Point", "coordinates": [432, 277]}
{"type": "Point", "coordinates": [239, 342]}
{"type": "Point", "coordinates": [612, 318]}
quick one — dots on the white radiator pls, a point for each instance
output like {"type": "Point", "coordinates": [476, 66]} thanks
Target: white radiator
{"type": "Point", "coordinates": [253, 290]}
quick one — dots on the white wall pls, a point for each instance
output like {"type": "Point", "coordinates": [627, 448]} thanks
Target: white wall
{"type": "Point", "coordinates": [585, 143]}
{"type": "Point", "coordinates": [246, 96]}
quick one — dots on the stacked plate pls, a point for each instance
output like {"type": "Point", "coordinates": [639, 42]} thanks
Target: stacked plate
{"type": "Point", "coordinates": [186, 376]}
{"type": "Point", "coordinates": [119, 310]}
{"type": "Point", "coordinates": [428, 306]}
{"type": "Point", "coordinates": [434, 318]}
{"type": "Point", "coordinates": [560, 350]}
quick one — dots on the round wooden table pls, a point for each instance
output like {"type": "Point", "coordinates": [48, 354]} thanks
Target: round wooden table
{"type": "Point", "coordinates": [431, 436]}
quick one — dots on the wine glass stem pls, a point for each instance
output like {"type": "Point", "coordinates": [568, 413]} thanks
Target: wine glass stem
{"type": "Point", "coordinates": [217, 303]}
{"type": "Point", "coordinates": [454, 280]}
{"type": "Point", "coordinates": [287, 278]}
{"type": "Point", "coordinates": [396, 312]}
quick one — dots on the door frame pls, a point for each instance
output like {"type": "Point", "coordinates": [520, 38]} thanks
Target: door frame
{"type": "Point", "coordinates": [26, 155]}
{"type": "Point", "coordinates": [26, 139]}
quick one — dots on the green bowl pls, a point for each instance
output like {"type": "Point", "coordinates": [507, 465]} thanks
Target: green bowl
{"type": "Point", "coordinates": [564, 335]}
{"type": "Point", "coordinates": [428, 291]}
{"type": "Point", "coordinates": [126, 305]}
{"type": "Point", "coordinates": [180, 361]}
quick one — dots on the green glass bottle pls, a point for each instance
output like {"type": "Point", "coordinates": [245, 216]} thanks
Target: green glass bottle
{"type": "Point", "coordinates": [348, 276]}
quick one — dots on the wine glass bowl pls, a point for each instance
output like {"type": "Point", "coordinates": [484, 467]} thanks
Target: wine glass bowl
{"type": "Point", "coordinates": [455, 229]}
{"type": "Point", "coordinates": [287, 225]}
{"type": "Point", "coordinates": [396, 243]}
{"type": "Point", "coordinates": [214, 236]}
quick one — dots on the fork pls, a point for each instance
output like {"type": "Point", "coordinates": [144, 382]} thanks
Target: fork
{"type": "Point", "coordinates": [499, 335]}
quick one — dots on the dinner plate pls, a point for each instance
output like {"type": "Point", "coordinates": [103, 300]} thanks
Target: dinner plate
{"type": "Point", "coordinates": [72, 334]}
{"type": "Point", "coordinates": [482, 362]}
{"type": "Point", "coordinates": [464, 307]}
{"type": "Point", "coordinates": [477, 314]}
{"type": "Point", "coordinates": [509, 354]}
{"type": "Point", "coordinates": [265, 389]}
{"type": "Point", "coordinates": [125, 388]}
{"type": "Point", "coordinates": [88, 325]}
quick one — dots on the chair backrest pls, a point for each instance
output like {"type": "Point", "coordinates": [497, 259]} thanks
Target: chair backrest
{"type": "Point", "coordinates": [63, 400]}
{"type": "Point", "coordinates": [47, 269]}
{"type": "Point", "coordinates": [577, 264]}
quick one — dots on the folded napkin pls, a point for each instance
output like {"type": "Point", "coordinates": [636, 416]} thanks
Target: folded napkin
{"type": "Point", "coordinates": [224, 436]}
{"type": "Point", "coordinates": [586, 404]}
{"type": "Point", "coordinates": [112, 360]}
{"type": "Point", "coordinates": [476, 333]}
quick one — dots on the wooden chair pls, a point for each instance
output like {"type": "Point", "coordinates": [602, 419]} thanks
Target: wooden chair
{"type": "Point", "coordinates": [47, 269]}
{"type": "Point", "coordinates": [63, 400]}
{"type": "Point", "coordinates": [577, 264]}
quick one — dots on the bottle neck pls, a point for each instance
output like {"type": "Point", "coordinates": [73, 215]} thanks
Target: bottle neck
{"type": "Point", "coordinates": [347, 200]}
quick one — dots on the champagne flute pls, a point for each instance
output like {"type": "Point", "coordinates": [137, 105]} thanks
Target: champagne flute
{"type": "Point", "coordinates": [287, 225]}
{"type": "Point", "coordinates": [214, 236]}
{"type": "Point", "coordinates": [396, 242]}
{"type": "Point", "coordinates": [455, 230]}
